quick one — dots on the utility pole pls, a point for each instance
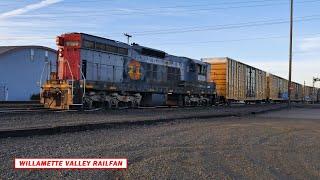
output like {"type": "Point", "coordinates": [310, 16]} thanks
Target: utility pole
{"type": "Point", "coordinates": [304, 91]}
{"type": "Point", "coordinates": [290, 53]}
{"type": "Point", "coordinates": [128, 37]}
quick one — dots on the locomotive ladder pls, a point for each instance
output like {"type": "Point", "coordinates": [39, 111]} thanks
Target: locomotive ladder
{"type": "Point", "coordinates": [84, 84]}
{"type": "Point", "coordinates": [72, 84]}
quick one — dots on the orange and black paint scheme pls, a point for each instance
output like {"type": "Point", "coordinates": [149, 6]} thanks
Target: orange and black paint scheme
{"type": "Point", "coordinates": [134, 70]}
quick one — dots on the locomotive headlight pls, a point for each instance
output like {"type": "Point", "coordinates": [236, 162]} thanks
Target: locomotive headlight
{"type": "Point", "coordinates": [60, 52]}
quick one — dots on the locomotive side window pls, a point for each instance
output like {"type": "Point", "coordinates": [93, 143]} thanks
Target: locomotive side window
{"type": "Point", "coordinates": [201, 69]}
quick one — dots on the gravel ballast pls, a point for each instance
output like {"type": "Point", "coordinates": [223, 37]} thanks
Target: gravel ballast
{"type": "Point", "coordinates": [276, 145]}
{"type": "Point", "coordinates": [53, 119]}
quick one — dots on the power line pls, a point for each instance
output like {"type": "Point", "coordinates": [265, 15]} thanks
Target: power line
{"type": "Point", "coordinates": [221, 27]}
{"type": "Point", "coordinates": [243, 23]}
{"type": "Point", "coordinates": [190, 5]}
{"type": "Point", "coordinates": [224, 27]}
{"type": "Point", "coordinates": [155, 11]}
{"type": "Point", "coordinates": [238, 40]}
{"type": "Point", "coordinates": [218, 27]}
{"type": "Point", "coordinates": [192, 42]}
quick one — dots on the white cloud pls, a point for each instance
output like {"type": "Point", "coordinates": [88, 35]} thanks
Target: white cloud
{"type": "Point", "coordinates": [28, 8]}
{"type": "Point", "coordinates": [309, 44]}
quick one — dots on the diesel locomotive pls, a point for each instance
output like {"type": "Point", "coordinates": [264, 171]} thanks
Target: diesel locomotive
{"type": "Point", "coordinates": [99, 72]}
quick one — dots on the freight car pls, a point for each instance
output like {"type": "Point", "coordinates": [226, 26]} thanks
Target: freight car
{"type": "Point", "coordinates": [236, 81]}
{"type": "Point", "coordinates": [296, 92]}
{"type": "Point", "coordinates": [99, 72]}
{"type": "Point", "coordinates": [310, 94]}
{"type": "Point", "coordinates": [277, 88]}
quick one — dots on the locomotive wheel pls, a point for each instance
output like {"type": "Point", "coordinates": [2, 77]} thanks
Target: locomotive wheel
{"type": "Point", "coordinates": [87, 103]}
{"type": "Point", "coordinates": [130, 104]}
{"type": "Point", "coordinates": [194, 104]}
{"type": "Point", "coordinates": [114, 103]}
{"type": "Point", "coordinates": [187, 101]}
{"type": "Point", "coordinates": [107, 105]}
{"type": "Point", "coordinates": [205, 103]}
{"type": "Point", "coordinates": [133, 104]}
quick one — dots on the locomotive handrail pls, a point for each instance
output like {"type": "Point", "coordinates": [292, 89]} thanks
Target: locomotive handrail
{"type": "Point", "coordinates": [72, 79]}
{"type": "Point", "coordinates": [40, 82]}
{"type": "Point", "coordinates": [84, 82]}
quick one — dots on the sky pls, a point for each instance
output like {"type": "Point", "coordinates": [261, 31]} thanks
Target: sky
{"type": "Point", "coordinates": [255, 32]}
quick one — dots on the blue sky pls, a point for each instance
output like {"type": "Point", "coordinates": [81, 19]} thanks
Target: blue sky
{"type": "Point", "coordinates": [252, 31]}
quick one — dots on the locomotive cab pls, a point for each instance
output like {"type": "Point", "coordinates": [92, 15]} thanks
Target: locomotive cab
{"type": "Point", "coordinates": [63, 89]}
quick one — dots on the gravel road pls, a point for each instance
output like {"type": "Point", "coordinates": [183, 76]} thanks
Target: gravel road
{"type": "Point", "coordinates": [275, 145]}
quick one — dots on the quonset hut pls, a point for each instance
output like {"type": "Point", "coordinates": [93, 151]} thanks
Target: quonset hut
{"type": "Point", "coordinates": [21, 70]}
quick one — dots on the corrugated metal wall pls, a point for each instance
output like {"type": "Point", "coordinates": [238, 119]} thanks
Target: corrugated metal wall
{"type": "Point", "coordinates": [238, 81]}
{"type": "Point", "coordinates": [21, 70]}
{"type": "Point", "coordinates": [277, 88]}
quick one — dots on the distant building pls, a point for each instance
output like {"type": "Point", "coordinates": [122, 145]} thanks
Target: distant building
{"type": "Point", "coordinates": [22, 68]}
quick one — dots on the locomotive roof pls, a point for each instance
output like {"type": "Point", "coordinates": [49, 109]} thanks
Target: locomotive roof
{"type": "Point", "coordinates": [135, 46]}
{"type": "Point", "coordinates": [194, 60]}
{"type": "Point", "coordinates": [7, 49]}
{"type": "Point", "coordinates": [100, 39]}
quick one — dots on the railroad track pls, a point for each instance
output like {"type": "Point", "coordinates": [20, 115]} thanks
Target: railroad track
{"type": "Point", "coordinates": [15, 110]}
{"type": "Point", "coordinates": [38, 108]}
{"type": "Point", "coordinates": [10, 110]}
{"type": "Point", "coordinates": [49, 129]}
